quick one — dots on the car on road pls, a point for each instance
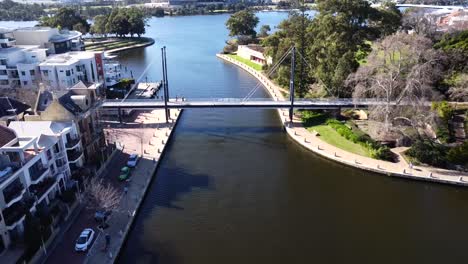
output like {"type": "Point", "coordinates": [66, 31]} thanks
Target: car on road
{"type": "Point", "coordinates": [132, 160]}
{"type": "Point", "coordinates": [101, 216]}
{"type": "Point", "coordinates": [124, 173]}
{"type": "Point", "coordinates": [84, 240]}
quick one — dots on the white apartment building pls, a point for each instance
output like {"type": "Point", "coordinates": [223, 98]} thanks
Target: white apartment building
{"type": "Point", "coordinates": [65, 70]}
{"type": "Point", "coordinates": [35, 168]}
{"type": "Point", "coordinates": [54, 40]}
{"type": "Point", "coordinates": [112, 73]}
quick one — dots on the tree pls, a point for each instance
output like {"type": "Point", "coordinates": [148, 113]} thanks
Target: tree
{"type": "Point", "coordinates": [291, 32]}
{"type": "Point", "coordinates": [242, 23]}
{"type": "Point", "coordinates": [264, 31]}
{"type": "Point", "coordinates": [101, 196]}
{"type": "Point", "coordinates": [418, 20]}
{"type": "Point", "coordinates": [459, 89]}
{"type": "Point", "coordinates": [341, 30]}
{"type": "Point", "coordinates": [99, 26]}
{"type": "Point", "coordinates": [388, 18]}
{"type": "Point", "coordinates": [136, 19]}
{"type": "Point", "coordinates": [66, 18]}
{"type": "Point", "coordinates": [400, 72]}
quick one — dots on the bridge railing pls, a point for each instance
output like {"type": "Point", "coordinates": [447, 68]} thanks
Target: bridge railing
{"type": "Point", "coordinates": [242, 100]}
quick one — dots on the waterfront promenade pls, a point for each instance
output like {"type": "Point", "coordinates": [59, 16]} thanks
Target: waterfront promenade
{"type": "Point", "coordinates": [313, 143]}
{"type": "Point", "coordinates": [147, 136]}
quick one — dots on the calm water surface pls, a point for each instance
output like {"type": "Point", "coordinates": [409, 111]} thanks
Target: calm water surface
{"type": "Point", "coordinates": [233, 188]}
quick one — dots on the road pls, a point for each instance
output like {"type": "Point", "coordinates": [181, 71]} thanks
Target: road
{"type": "Point", "coordinates": [64, 252]}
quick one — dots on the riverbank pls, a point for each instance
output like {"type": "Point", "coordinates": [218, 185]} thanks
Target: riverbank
{"type": "Point", "coordinates": [313, 143]}
{"type": "Point", "coordinates": [147, 136]}
{"type": "Point", "coordinates": [114, 45]}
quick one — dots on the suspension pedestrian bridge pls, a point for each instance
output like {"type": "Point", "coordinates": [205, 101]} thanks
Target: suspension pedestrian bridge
{"type": "Point", "coordinates": [147, 104]}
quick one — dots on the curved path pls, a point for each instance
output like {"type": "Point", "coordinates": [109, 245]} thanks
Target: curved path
{"type": "Point", "coordinates": [313, 143]}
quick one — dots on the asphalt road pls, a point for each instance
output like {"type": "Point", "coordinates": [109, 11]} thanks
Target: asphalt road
{"type": "Point", "coordinates": [64, 252]}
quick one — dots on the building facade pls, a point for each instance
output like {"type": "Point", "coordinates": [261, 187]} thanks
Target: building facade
{"type": "Point", "coordinates": [34, 170]}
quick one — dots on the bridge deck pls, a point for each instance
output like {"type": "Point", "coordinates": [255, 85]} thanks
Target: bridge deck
{"type": "Point", "coordinates": [239, 103]}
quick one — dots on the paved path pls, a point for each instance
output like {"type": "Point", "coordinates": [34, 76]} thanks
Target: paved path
{"type": "Point", "coordinates": [146, 135]}
{"type": "Point", "coordinates": [315, 144]}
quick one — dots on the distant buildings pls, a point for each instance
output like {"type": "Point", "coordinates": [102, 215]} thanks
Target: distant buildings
{"type": "Point", "coordinates": [455, 20]}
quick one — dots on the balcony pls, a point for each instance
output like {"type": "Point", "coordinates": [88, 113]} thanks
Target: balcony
{"type": "Point", "coordinates": [38, 175]}
{"type": "Point", "coordinates": [42, 187]}
{"type": "Point", "coordinates": [14, 192]}
{"type": "Point", "coordinates": [74, 155]}
{"type": "Point", "coordinates": [16, 213]}
{"type": "Point", "coordinates": [72, 143]}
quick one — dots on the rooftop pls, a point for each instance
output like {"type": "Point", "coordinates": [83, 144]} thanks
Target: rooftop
{"type": "Point", "coordinates": [10, 107]}
{"type": "Point", "coordinates": [36, 128]}
{"type": "Point", "coordinates": [6, 135]}
{"type": "Point", "coordinates": [67, 58]}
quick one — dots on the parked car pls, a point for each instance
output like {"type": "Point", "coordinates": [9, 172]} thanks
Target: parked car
{"type": "Point", "coordinates": [85, 240]}
{"type": "Point", "coordinates": [132, 160]}
{"type": "Point", "coordinates": [124, 173]}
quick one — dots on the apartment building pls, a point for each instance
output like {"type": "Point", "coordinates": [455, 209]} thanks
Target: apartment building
{"type": "Point", "coordinates": [25, 60]}
{"type": "Point", "coordinates": [65, 70]}
{"type": "Point", "coordinates": [35, 159]}
{"type": "Point", "coordinates": [77, 105]}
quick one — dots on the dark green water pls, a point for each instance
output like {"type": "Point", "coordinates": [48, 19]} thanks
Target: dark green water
{"type": "Point", "coordinates": [233, 188]}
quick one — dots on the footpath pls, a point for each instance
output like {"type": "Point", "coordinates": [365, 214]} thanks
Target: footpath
{"type": "Point", "coordinates": [147, 136]}
{"type": "Point", "coordinates": [312, 142]}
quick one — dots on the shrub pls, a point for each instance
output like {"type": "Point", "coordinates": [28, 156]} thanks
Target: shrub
{"type": "Point", "coordinates": [459, 154]}
{"type": "Point", "coordinates": [429, 152]}
{"type": "Point", "coordinates": [68, 196]}
{"type": "Point", "coordinates": [376, 150]}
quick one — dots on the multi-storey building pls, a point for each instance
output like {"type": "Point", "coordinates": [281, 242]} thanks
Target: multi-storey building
{"type": "Point", "coordinates": [65, 70]}
{"type": "Point", "coordinates": [77, 105]}
{"type": "Point", "coordinates": [35, 159]}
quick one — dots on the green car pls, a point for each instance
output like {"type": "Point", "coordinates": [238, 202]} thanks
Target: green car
{"type": "Point", "coordinates": [124, 173]}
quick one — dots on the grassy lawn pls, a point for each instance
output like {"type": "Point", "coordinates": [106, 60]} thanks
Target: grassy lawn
{"type": "Point", "coordinates": [108, 44]}
{"type": "Point", "coordinates": [332, 137]}
{"type": "Point", "coordinates": [256, 66]}
{"type": "Point", "coordinates": [316, 122]}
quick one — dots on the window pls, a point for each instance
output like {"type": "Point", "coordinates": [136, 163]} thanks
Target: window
{"type": "Point", "coordinates": [32, 72]}
{"type": "Point", "coordinates": [3, 72]}
{"type": "Point", "coordinates": [61, 70]}
{"type": "Point", "coordinates": [25, 82]}
{"type": "Point", "coordinates": [56, 148]}
{"type": "Point", "coordinates": [4, 82]}
{"type": "Point", "coordinates": [23, 73]}
{"type": "Point", "coordinates": [67, 73]}
{"type": "Point", "coordinates": [72, 71]}
{"type": "Point", "coordinates": [3, 62]}
{"type": "Point", "coordinates": [45, 72]}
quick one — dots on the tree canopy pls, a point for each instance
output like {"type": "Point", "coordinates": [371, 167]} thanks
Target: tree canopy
{"type": "Point", "coordinates": [66, 18]}
{"type": "Point", "coordinates": [332, 43]}
{"type": "Point", "coordinates": [121, 21]}
{"type": "Point", "coordinates": [242, 23]}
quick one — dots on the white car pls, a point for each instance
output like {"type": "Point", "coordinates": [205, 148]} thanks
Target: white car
{"type": "Point", "coordinates": [84, 241]}
{"type": "Point", "coordinates": [132, 160]}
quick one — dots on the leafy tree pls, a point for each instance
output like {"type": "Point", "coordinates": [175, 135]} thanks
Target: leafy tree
{"type": "Point", "coordinates": [290, 32]}
{"type": "Point", "coordinates": [388, 19]}
{"type": "Point", "coordinates": [264, 31]}
{"type": "Point", "coordinates": [136, 20]}
{"type": "Point", "coordinates": [242, 23]}
{"type": "Point", "coordinates": [341, 29]}
{"type": "Point", "coordinates": [66, 18]}
{"type": "Point", "coordinates": [99, 26]}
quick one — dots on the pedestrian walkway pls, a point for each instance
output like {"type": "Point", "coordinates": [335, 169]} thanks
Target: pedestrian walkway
{"type": "Point", "coordinates": [147, 140]}
{"type": "Point", "coordinates": [313, 142]}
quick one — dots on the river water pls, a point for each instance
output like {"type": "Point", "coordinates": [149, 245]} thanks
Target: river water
{"type": "Point", "coordinates": [233, 188]}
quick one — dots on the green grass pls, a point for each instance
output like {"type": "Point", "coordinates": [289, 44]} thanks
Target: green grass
{"type": "Point", "coordinates": [316, 122]}
{"type": "Point", "coordinates": [112, 44]}
{"type": "Point", "coordinates": [332, 137]}
{"type": "Point", "coordinates": [255, 66]}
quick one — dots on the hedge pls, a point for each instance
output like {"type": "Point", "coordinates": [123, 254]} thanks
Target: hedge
{"type": "Point", "coordinates": [376, 150]}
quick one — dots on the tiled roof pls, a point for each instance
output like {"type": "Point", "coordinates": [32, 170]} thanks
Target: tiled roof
{"type": "Point", "coordinates": [10, 106]}
{"type": "Point", "coordinates": [6, 135]}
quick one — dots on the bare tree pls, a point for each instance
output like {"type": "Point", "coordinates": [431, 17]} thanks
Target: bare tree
{"type": "Point", "coordinates": [400, 72]}
{"type": "Point", "coordinates": [420, 21]}
{"type": "Point", "coordinates": [459, 91]}
{"type": "Point", "coordinates": [101, 196]}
